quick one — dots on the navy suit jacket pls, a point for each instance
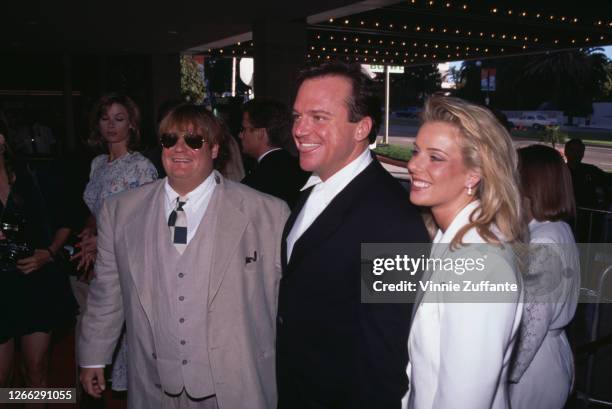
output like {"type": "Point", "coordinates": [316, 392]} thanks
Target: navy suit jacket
{"type": "Point", "coordinates": [332, 350]}
{"type": "Point", "coordinates": [278, 174]}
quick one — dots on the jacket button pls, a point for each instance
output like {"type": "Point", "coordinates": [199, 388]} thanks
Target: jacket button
{"type": "Point", "coordinates": [183, 342]}
{"type": "Point", "coordinates": [181, 298]}
{"type": "Point", "coordinates": [184, 362]}
{"type": "Point", "coordinates": [182, 320]}
{"type": "Point", "coordinates": [181, 275]}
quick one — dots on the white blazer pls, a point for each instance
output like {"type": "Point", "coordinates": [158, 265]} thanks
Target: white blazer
{"type": "Point", "coordinates": [460, 352]}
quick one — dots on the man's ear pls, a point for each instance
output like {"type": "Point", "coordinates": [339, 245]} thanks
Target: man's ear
{"type": "Point", "coordinates": [214, 151]}
{"type": "Point", "coordinates": [263, 135]}
{"type": "Point", "coordinates": [364, 126]}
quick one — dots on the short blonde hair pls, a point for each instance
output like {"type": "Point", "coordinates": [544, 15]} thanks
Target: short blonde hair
{"type": "Point", "coordinates": [486, 146]}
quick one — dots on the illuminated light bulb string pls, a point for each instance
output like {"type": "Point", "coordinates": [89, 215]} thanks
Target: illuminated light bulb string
{"type": "Point", "coordinates": [400, 49]}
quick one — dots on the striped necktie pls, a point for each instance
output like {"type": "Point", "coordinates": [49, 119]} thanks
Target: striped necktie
{"type": "Point", "coordinates": [178, 225]}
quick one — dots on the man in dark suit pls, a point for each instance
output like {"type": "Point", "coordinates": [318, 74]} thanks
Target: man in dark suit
{"type": "Point", "coordinates": [332, 350]}
{"type": "Point", "coordinates": [266, 136]}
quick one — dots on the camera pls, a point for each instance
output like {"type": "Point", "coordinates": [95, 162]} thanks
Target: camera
{"type": "Point", "coordinates": [64, 255]}
{"type": "Point", "coordinates": [13, 247]}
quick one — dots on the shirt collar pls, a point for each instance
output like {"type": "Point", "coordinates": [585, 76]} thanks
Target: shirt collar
{"type": "Point", "coordinates": [461, 219]}
{"type": "Point", "coordinates": [266, 153]}
{"type": "Point", "coordinates": [196, 194]}
{"type": "Point", "coordinates": [331, 187]}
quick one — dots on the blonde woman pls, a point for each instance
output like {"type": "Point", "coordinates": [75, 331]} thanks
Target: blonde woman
{"type": "Point", "coordinates": [463, 170]}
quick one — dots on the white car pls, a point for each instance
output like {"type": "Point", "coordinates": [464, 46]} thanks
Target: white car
{"type": "Point", "coordinates": [536, 121]}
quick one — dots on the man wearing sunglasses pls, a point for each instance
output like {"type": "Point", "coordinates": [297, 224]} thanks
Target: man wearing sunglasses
{"type": "Point", "coordinates": [192, 263]}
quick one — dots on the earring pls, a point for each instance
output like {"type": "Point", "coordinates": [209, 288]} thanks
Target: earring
{"type": "Point", "coordinates": [469, 191]}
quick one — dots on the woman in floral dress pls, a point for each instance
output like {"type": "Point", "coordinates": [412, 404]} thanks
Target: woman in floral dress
{"type": "Point", "coordinates": [114, 123]}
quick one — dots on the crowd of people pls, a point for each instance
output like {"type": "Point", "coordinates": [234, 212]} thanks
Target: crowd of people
{"type": "Point", "coordinates": [203, 292]}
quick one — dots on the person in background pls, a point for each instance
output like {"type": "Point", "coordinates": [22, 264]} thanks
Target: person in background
{"type": "Point", "coordinates": [230, 160]}
{"type": "Point", "coordinates": [589, 182]}
{"type": "Point", "coordinates": [543, 367]}
{"type": "Point", "coordinates": [464, 170]}
{"type": "Point", "coordinates": [35, 296]}
{"type": "Point", "coordinates": [592, 192]}
{"type": "Point", "coordinates": [115, 130]}
{"type": "Point", "coordinates": [266, 137]}
{"type": "Point", "coordinates": [229, 163]}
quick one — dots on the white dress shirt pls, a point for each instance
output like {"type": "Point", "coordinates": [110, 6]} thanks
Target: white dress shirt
{"type": "Point", "coordinates": [263, 155]}
{"type": "Point", "coordinates": [322, 194]}
{"type": "Point", "coordinates": [196, 204]}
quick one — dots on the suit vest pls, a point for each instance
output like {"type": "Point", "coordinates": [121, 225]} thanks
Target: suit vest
{"type": "Point", "coordinates": [181, 307]}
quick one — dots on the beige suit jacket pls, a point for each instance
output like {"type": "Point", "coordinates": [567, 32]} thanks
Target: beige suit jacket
{"type": "Point", "coordinates": [242, 295]}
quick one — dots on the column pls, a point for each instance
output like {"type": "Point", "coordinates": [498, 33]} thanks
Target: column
{"type": "Point", "coordinates": [279, 52]}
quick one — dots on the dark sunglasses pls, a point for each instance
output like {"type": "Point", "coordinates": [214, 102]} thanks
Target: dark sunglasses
{"type": "Point", "coordinates": [194, 141]}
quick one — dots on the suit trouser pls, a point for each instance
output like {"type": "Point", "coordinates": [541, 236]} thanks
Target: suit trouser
{"type": "Point", "coordinates": [79, 290]}
{"type": "Point", "coordinates": [184, 401]}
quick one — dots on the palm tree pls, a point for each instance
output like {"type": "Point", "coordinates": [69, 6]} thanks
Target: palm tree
{"type": "Point", "coordinates": [567, 80]}
{"type": "Point", "coordinates": [572, 79]}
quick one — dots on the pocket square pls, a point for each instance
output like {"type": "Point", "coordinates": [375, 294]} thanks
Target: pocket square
{"type": "Point", "coordinates": [248, 260]}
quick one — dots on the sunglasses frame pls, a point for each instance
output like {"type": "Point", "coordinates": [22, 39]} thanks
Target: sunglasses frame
{"type": "Point", "coordinates": [189, 138]}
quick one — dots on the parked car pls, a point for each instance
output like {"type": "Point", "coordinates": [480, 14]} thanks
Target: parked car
{"type": "Point", "coordinates": [536, 121]}
{"type": "Point", "coordinates": [408, 112]}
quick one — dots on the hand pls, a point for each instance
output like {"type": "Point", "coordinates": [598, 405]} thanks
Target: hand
{"type": "Point", "coordinates": [36, 261]}
{"type": "Point", "coordinates": [87, 275]}
{"type": "Point", "coordinates": [86, 255]}
{"type": "Point", "coordinates": [87, 232]}
{"type": "Point", "coordinates": [93, 381]}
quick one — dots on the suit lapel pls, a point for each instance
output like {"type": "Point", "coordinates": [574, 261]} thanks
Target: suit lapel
{"type": "Point", "coordinates": [436, 252]}
{"type": "Point", "coordinates": [142, 253]}
{"type": "Point", "coordinates": [290, 222]}
{"type": "Point", "coordinates": [441, 245]}
{"type": "Point", "coordinates": [332, 216]}
{"type": "Point", "coordinates": [230, 225]}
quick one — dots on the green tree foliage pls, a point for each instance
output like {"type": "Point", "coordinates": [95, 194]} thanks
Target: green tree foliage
{"type": "Point", "coordinates": [608, 83]}
{"type": "Point", "coordinates": [468, 83]}
{"type": "Point", "coordinates": [192, 83]}
{"type": "Point", "coordinates": [414, 85]}
{"type": "Point", "coordinates": [572, 79]}
{"type": "Point", "coordinates": [554, 136]}
{"type": "Point", "coordinates": [568, 81]}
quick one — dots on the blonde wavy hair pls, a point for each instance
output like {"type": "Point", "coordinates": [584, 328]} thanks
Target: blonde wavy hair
{"type": "Point", "coordinates": [486, 146]}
